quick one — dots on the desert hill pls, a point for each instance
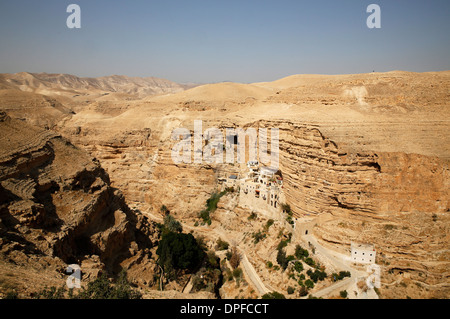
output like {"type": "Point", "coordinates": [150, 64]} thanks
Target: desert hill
{"type": "Point", "coordinates": [363, 155]}
{"type": "Point", "coordinates": [67, 84]}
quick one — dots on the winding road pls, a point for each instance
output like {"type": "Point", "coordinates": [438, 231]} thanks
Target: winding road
{"type": "Point", "coordinates": [255, 280]}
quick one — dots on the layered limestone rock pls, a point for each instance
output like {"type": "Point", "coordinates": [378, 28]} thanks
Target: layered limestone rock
{"type": "Point", "coordinates": [57, 206]}
{"type": "Point", "coordinates": [367, 151]}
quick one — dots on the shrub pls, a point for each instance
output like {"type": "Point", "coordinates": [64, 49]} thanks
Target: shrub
{"type": "Point", "coordinates": [257, 237]}
{"type": "Point", "coordinates": [300, 252]}
{"type": "Point", "coordinates": [282, 259]}
{"type": "Point", "coordinates": [122, 288]}
{"type": "Point", "coordinates": [235, 258]}
{"type": "Point", "coordinates": [211, 206]}
{"type": "Point", "coordinates": [268, 224]}
{"type": "Point", "coordinates": [273, 295]}
{"type": "Point", "coordinates": [341, 275]}
{"type": "Point", "coordinates": [237, 273]}
{"type": "Point", "coordinates": [51, 293]}
{"type": "Point", "coordinates": [316, 275]}
{"type": "Point", "coordinates": [290, 220]}
{"type": "Point", "coordinates": [309, 261]}
{"type": "Point", "coordinates": [100, 288]}
{"type": "Point", "coordinates": [229, 189]}
{"type": "Point", "coordinates": [282, 244]}
{"type": "Point", "coordinates": [228, 255]}
{"type": "Point", "coordinates": [222, 245]}
{"type": "Point", "coordinates": [290, 258]}
{"type": "Point", "coordinates": [298, 266]}
{"type": "Point", "coordinates": [164, 210]}
{"type": "Point", "coordinates": [171, 224]}
{"type": "Point", "coordinates": [212, 202]}
{"type": "Point", "coordinates": [303, 291]}
{"type": "Point", "coordinates": [343, 294]}
{"type": "Point", "coordinates": [204, 215]}
{"type": "Point", "coordinates": [290, 290]}
{"type": "Point", "coordinates": [213, 260]}
{"type": "Point", "coordinates": [309, 283]}
{"type": "Point", "coordinates": [11, 294]}
{"type": "Point", "coordinates": [286, 208]}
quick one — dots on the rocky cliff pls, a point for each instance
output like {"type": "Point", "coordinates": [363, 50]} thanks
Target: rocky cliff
{"type": "Point", "coordinates": [368, 151]}
{"type": "Point", "coordinates": [57, 208]}
{"type": "Point", "coordinates": [45, 83]}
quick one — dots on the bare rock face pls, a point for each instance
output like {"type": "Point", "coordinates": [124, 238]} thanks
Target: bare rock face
{"type": "Point", "coordinates": [368, 151]}
{"type": "Point", "coordinates": [70, 85]}
{"type": "Point", "coordinates": [399, 202]}
{"type": "Point", "coordinates": [56, 204]}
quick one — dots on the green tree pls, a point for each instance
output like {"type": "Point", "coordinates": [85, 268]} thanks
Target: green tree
{"type": "Point", "coordinates": [164, 210]}
{"type": "Point", "coordinates": [303, 291]}
{"type": "Point", "coordinates": [179, 251]}
{"type": "Point", "coordinates": [103, 288]}
{"type": "Point", "coordinates": [309, 261]}
{"type": "Point", "coordinates": [122, 288]}
{"type": "Point", "coordinates": [300, 252]}
{"type": "Point", "coordinates": [212, 202]}
{"type": "Point", "coordinates": [309, 284]}
{"type": "Point", "coordinates": [298, 266]}
{"type": "Point", "coordinates": [222, 245]}
{"type": "Point", "coordinates": [282, 260]}
{"type": "Point", "coordinates": [51, 293]}
{"type": "Point", "coordinates": [273, 295]}
{"type": "Point", "coordinates": [268, 224]}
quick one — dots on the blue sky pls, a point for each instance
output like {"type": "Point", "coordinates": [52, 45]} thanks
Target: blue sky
{"type": "Point", "coordinates": [213, 41]}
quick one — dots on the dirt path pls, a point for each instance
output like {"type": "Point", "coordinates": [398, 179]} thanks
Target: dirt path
{"type": "Point", "coordinates": [255, 280]}
{"type": "Point", "coordinates": [338, 261]}
{"type": "Point", "coordinates": [252, 275]}
{"type": "Point", "coordinates": [249, 271]}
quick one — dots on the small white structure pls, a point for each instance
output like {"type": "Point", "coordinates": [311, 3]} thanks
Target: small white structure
{"type": "Point", "coordinates": [232, 181]}
{"type": "Point", "coordinates": [261, 190]}
{"type": "Point", "coordinates": [363, 253]}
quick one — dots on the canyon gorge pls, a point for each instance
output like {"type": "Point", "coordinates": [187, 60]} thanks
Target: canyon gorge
{"type": "Point", "coordinates": [86, 167]}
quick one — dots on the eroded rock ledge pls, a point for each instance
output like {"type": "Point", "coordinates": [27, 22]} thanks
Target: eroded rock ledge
{"type": "Point", "coordinates": [57, 208]}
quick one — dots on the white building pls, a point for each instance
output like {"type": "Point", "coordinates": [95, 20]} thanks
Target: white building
{"type": "Point", "coordinates": [261, 190]}
{"type": "Point", "coordinates": [363, 253]}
